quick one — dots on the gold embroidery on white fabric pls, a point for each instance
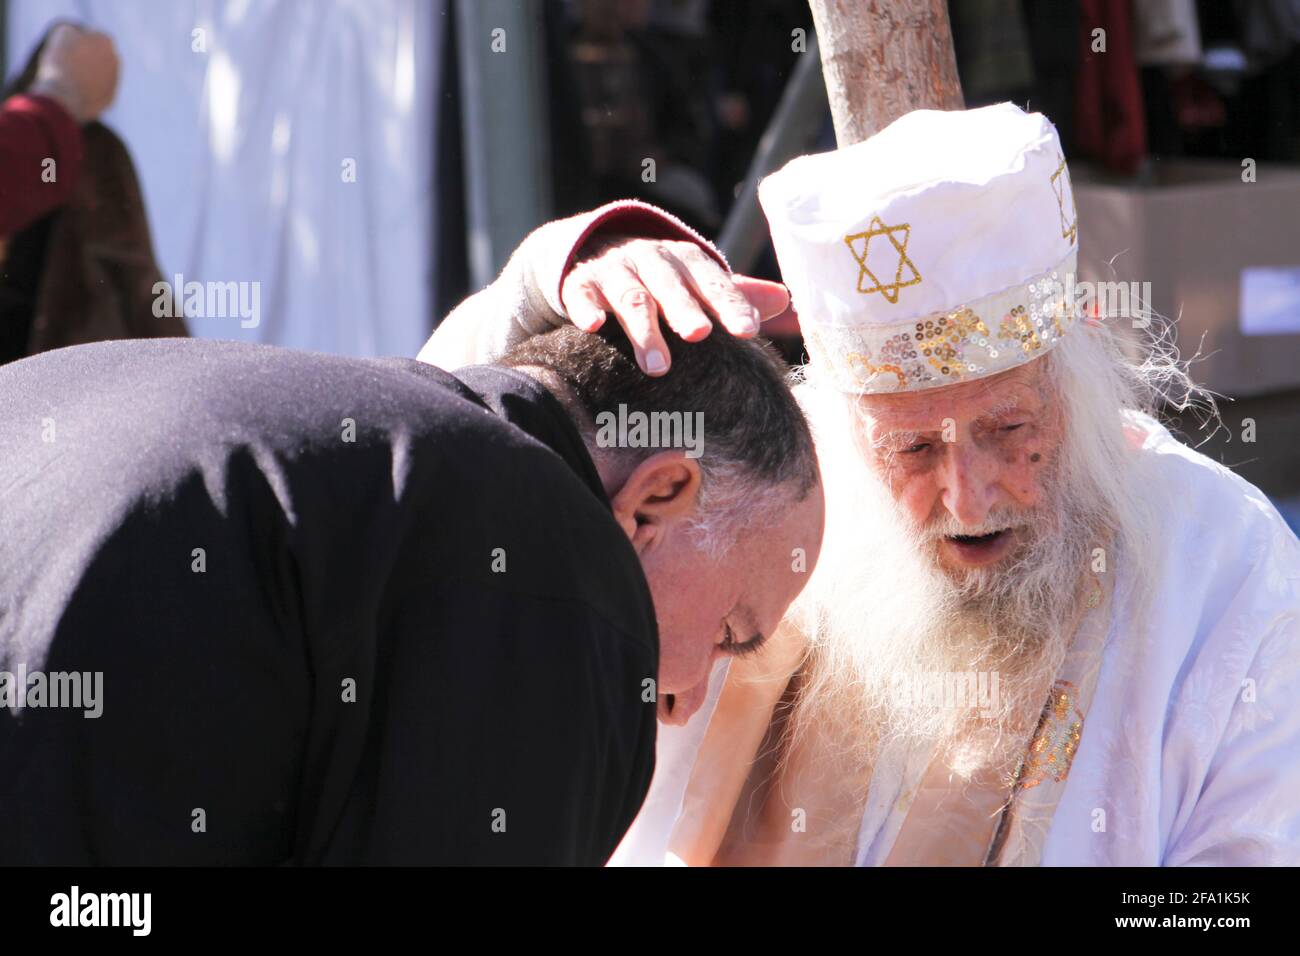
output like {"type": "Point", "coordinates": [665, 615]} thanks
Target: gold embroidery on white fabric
{"type": "Point", "coordinates": [889, 290]}
{"type": "Point", "coordinates": [1060, 182]}
{"type": "Point", "coordinates": [1053, 747]}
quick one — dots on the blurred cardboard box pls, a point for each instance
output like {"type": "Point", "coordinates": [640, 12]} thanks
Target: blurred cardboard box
{"type": "Point", "coordinates": [1220, 254]}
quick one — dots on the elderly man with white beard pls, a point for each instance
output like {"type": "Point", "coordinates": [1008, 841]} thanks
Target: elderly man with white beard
{"type": "Point", "coordinates": [1042, 630]}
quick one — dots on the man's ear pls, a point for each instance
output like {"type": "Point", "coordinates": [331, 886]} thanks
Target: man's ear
{"type": "Point", "coordinates": [659, 491]}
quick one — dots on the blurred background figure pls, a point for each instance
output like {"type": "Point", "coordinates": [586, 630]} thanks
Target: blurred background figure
{"type": "Point", "coordinates": [71, 83]}
{"type": "Point", "coordinates": [76, 260]}
{"type": "Point", "coordinates": [283, 146]}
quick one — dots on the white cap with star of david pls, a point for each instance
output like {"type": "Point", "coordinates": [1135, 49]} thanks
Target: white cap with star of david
{"type": "Point", "coordinates": [935, 252]}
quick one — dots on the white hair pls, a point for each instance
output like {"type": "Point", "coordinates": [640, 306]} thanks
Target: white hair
{"type": "Point", "coordinates": [877, 606]}
{"type": "Point", "coordinates": [731, 500]}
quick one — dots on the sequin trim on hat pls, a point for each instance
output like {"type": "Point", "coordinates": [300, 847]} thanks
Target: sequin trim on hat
{"type": "Point", "coordinates": [982, 338]}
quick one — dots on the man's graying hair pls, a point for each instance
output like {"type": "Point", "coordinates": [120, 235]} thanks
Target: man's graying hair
{"type": "Point", "coordinates": [758, 455]}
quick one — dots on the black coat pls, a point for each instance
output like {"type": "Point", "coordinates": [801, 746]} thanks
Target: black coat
{"type": "Point", "coordinates": [499, 716]}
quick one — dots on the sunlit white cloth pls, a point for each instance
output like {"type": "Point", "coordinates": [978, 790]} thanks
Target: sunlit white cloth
{"type": "Point", "coordinates": [1192, 744]}
{"type": "Point", "coordinates": [646, 843]}
{"type": "Point", "coordinates": [246, 122]}
{"type": "Point", "coordinates": [1190, 748]}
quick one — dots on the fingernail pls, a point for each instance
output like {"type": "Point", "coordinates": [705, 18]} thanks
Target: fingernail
{"type": "Point", "coordinates": [654, 361]}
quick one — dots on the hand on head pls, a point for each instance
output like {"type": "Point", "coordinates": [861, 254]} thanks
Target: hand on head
{"type": "Point", "coordinates": [712, 474]}
{"type": "Point", "coordinates": [79, 68]}
{"type": "Point", "coordinates": [639, 280]}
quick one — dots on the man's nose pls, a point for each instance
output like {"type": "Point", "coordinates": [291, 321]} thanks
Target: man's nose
{"type": "Point", "coordinates": [688, 702]}
{"type": "Point", "coordinates": [969, 483]}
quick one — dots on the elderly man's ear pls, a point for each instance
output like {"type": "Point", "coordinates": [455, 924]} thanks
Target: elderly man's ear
{"type": "Point", "coordinates": [659, 492]}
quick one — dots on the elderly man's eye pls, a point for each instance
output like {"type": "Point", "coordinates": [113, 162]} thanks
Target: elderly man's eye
{"type": "Point", "coordinates": [917, 448]}
{"type": "Point", "coordinates": [1010, 428]}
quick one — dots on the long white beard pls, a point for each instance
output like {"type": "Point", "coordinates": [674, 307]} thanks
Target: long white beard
{"type": "Point", "coordinates": [886, 621]}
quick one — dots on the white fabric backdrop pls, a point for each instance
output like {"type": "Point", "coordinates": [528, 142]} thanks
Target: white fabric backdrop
{"type": "Point", "coordinates": [240, 152]}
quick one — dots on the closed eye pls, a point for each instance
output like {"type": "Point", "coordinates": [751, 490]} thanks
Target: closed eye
{"type": "Point", "coordinates": [751, 646]}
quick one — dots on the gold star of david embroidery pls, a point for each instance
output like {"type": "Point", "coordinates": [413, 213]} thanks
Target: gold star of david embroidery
{"type": "Point", "coordinates": [1060, 182]}
{"type": "Point", "coordinates": [888, 290]}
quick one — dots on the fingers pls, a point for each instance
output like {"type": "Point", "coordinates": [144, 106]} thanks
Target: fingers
{"type": "Point", "coordinates": [716, 288]}
{"type": "Point", "coordinates": [660, 273]}
{"type": "Point", "coordinates": [582, 301]}
{"type": "Point", "coordinates": [638, 279]}
{"type": "Point", "coordinates": [635, 310]}
{"type": "Point", "coordinates": [769, 298]}
{"type": "Point", "coordinates": [635, 293]}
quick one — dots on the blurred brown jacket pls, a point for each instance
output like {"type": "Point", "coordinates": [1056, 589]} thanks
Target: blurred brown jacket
{"type": "Point", "coordinates": [94, 277]}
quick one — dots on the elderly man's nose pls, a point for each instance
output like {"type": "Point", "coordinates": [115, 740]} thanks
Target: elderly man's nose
{"type": "Point", "coordinates": [969, 486]}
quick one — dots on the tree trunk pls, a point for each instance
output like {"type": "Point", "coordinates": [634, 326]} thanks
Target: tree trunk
{"type": "Point", "coordinates": [884, 58]}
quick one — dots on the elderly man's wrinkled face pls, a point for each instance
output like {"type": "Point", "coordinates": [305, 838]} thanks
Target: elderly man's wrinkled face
{"type": "Point", "coordinates": [969, 463]}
